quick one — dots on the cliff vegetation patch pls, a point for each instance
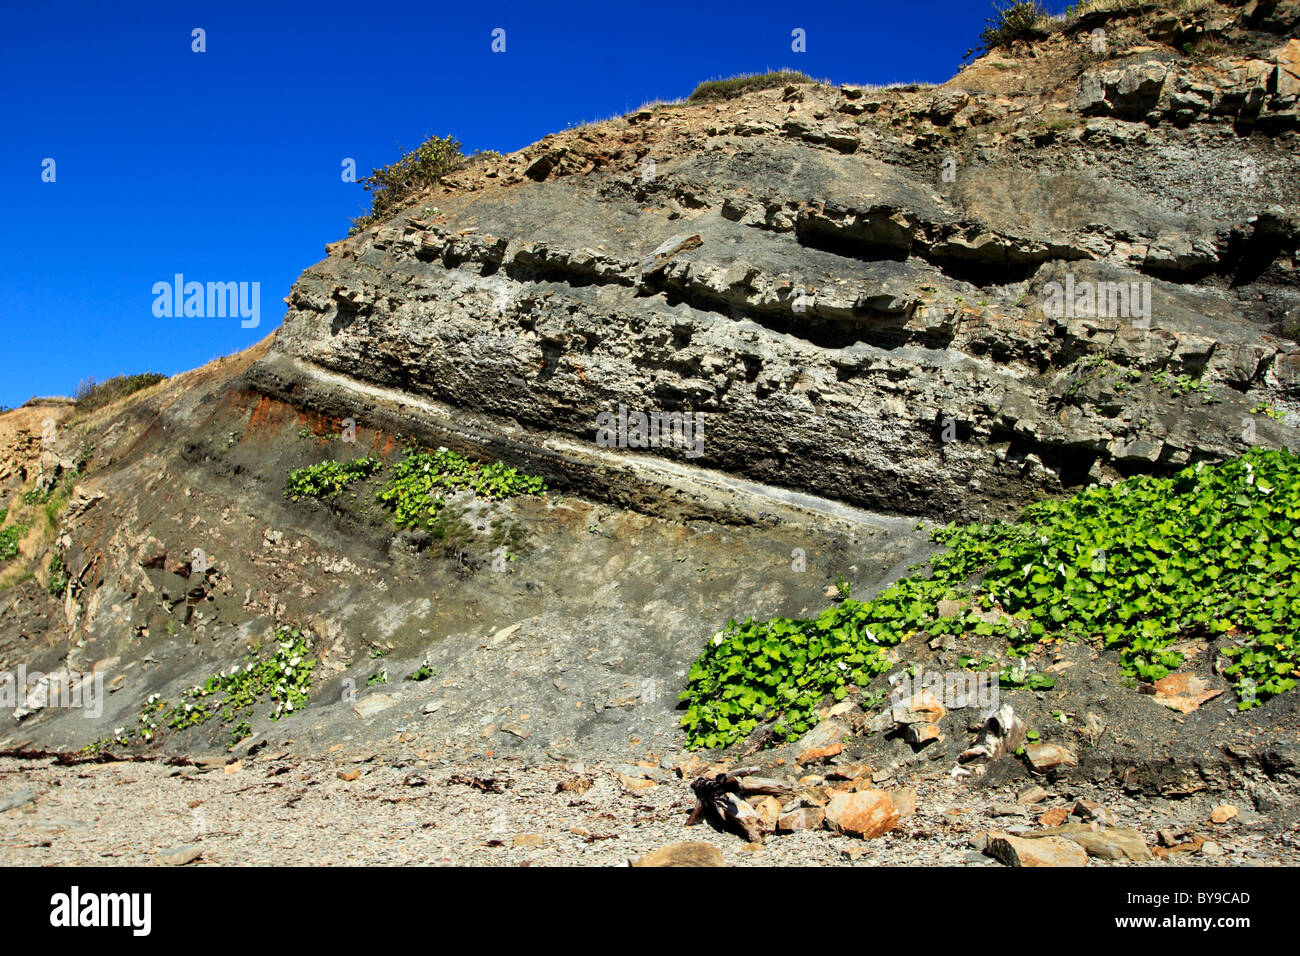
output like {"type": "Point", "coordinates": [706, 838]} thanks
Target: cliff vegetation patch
{"type": "Point", "coordinates": [712, 91]}
{"type": "Point", "coordinates": [328, 478]}
{"type": "Point", "coordinates": [419, 483]}
{"type": "Point", "coordinates": [1211, 552]}
{"type": "Point", "coordinates": [282, 677]}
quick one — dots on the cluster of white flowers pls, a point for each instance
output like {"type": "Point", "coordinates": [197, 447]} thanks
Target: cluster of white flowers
{"type": "Point", "coordinates": [147, 725]}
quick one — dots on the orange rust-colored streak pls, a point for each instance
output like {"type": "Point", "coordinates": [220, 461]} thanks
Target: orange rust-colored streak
{"type": "Point", "coordinates": [261, 414]}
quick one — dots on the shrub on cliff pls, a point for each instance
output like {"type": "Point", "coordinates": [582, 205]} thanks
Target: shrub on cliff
{"type": "Point", "coordinates": [1024, 20]}
{"type": "Point", "coordinates": [390, 186]}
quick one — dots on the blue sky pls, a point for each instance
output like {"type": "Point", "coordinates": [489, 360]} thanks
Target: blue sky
{"type": "Point", "coordinates": [225, 165]}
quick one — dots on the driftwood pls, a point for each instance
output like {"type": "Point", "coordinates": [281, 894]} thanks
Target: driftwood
{"type": "Point", "coordinates": [718, 800]}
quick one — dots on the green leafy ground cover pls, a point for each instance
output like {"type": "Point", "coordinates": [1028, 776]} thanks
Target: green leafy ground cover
{"type": "Point", "coordinates": [420, 480]}
{"type": "Point", "coordinates": [328, 478]}
{"type": "Point", "coordinates": [283, 677]}
{"type": "Point", "coordinates": [416, 490]}
{"type": "Point", "coordinates": [1136, 566]}
{"type": "Point", "coordinates": [9, 538]}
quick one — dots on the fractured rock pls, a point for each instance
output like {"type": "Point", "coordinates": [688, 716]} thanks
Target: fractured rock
{"type": "Point", "coordinates": [866, 813]}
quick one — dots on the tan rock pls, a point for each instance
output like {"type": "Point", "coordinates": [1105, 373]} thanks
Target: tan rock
{"type": "Point", "coordinates": [866, 813]}
{"type": "Point", "coordinates": [825, 734]}
{"type": "Point", "coordinates": [814, 754]}
{"type": "Point", "coordinates": [1104, 843]}
{"type": "Point", "coordinates": [768, 809]}
{"type": "Point", "coordinates": [1184, 692]}
{"type": "Point", "coordinates": [921, 734]}
{"type": "Point", "coordinates": [921, 708]}
{"type": "Point", "coordinates": [849, 771]}
{"type": "Point", "coordinates": [372, 704]}
{"type": "Point", "coordinates": [1045, 757]}
{"type": "Point", "coordinates": [578, 785]}
{"type": "Point", "coordinates": [1048, 851]}
{"type": "Point", "coordinates": [904, 801]}
{"type": "Point", "coordinates": [1192, 845]}
{"type": "Point", "coordinates": [814, 798]}
{"type": "Point", "coordinates": [634, 783]}
{"type": "Point", "coordinates": [1223, 813]}
{"type": "Point", "coordinates": [1091, 810]}
{"type": "Point", "coordinates": [1288, 69]}
{"type": "Point", "coordinates": [526, 840]}
{"type": "Point", "coordinates": [683, 854]}
{"type": "Point", "coordinates": [1053, 817]}
{"type": "Point", "coordinates": [804, 818]}
{"type": "Point", "coordinates": [179, 856]}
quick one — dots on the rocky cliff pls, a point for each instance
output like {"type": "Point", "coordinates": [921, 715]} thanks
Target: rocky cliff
{"type": "Point", "coordinates": [848, 311]}
{"type": "Point", "coordinates": [1072, 261]}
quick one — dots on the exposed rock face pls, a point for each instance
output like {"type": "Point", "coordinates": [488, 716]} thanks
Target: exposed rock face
{"type": "Point", "coordinates": [872, 296]}
{"type": "Point", "coordinates": [941, 301]}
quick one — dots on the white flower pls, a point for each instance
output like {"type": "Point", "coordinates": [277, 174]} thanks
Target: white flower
{"type": "Point", "coordinates": [717, 639]}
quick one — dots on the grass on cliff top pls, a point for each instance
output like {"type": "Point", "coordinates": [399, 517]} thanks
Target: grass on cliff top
{"type": "Point", "coordinates": [1212, 552]}
{"type": "Point", "coordinates": [91, 394]}
{"type": "Point", "coordinates": [712, 91]}
{"type": "Point", "coordinates": [1023, 20]}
